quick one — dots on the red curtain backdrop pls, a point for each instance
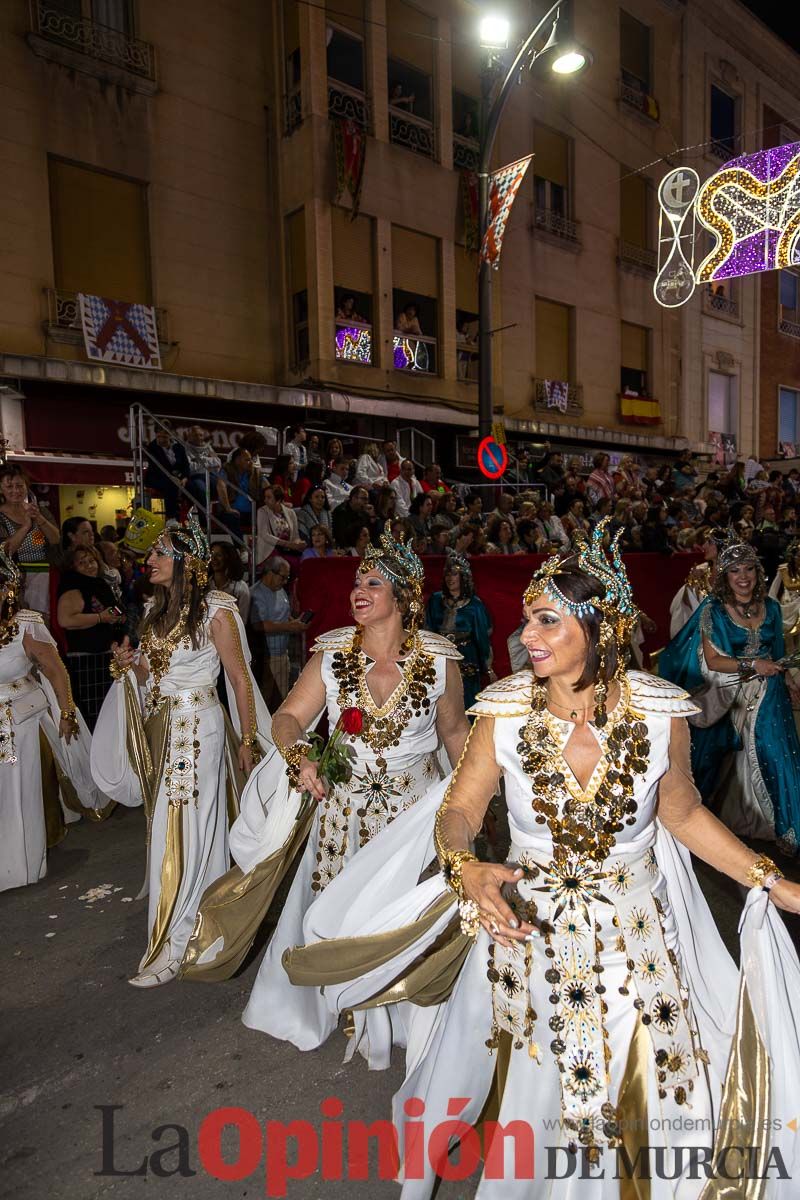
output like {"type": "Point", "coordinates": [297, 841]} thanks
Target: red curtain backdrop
{"type": "Point", "coordinates": [324, 586]}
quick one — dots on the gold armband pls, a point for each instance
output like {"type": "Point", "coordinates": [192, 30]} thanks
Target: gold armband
{"type": "Point", "coordinates": [292, 756]}
{"type": "Point", "coordinates": [116, 671]}
{"type": "Point", "coordinates": [452, 866]}
{"type": "Point", "coordinates": [763, 872]}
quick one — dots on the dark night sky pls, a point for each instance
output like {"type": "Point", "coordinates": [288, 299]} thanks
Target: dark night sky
{"type": "Point", "coordinates": [781, 15]}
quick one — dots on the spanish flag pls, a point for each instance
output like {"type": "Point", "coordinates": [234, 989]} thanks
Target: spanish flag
{"type": "Point", "coordinates": [638, 410]}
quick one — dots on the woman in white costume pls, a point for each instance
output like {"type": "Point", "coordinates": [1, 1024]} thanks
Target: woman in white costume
{"type": "Point", "coordinates": [162, 738]}
{"type": "Point", "coordinates": [786, 590]}
{"type": "Point", "coordinates": [606, 1020]}
{"type": "Point", "coordinates": [699, 582]}
{"type": "Point", "coordinates": [44, 742]}
{"type": "Point", "coordinates": [407, 685]}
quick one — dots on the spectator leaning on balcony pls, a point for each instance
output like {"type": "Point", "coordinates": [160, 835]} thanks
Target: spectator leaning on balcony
{"type": "Point", "coordinates": [349, 517]}
{"type": "Point", "coordinates": [276, 526]}
{"type": "Point", "coordinates": [408, 320]}
{"type": "Point", "coordinates": [337, 489]}
{"type": "Point", "coordinates": [398, 99]}
{"type": "Point", "coordinates": [346, 310]}
{"type": "Point", "coordinates": [369, 472]}
{"type": "Point", "coordinates": [405, 487]}
{"type": "Point", "coordinates": [167, 466]}
{"type": "Point", "coordinates": [296, 448]}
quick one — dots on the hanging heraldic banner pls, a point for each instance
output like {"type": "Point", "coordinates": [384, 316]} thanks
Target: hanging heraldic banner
{"type": "Point", "coordinates": [751, 207]}
{"type": "Point", "coordinates": [117, 331]}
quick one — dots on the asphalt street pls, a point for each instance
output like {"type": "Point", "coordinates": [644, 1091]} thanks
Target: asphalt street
{"type": "Point", "coordinates": [76, 1037]}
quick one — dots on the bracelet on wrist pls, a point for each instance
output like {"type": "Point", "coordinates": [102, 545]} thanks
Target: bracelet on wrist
{"type": "Point", "coordinates": [292, 756]}
{"type": "Point", "coordinates": [763, 873]}
{"type": "Point", "coordinates": [116, 670]}
{"type": "Point", "coordinates": [452, 866]}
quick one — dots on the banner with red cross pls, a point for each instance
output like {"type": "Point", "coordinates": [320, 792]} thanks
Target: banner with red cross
{"type": "Point", "coordinates": [119, 331]}
{"type": "Point", "coordinates": [503, 188]}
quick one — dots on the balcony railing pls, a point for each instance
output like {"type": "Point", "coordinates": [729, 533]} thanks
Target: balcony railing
{"type": "Point", "coordinates": [547, 398]}
{"type": "Point", "coordinates": [347, 102]}
{"type": "Point", "coordinates": [719, 305]}
{"type": "Point", "coordinates": [412, 132]}
{"type": "Point", "coordinates": [354, 342]}
{"type": "Point", "coordinates": [466, 153]}
{"type": "Point", "coordinates": [414, 353]}
{"type": "Point", "coordinates": [97, 41]}
{"type": "Point", "coordinates": [788, 323]}
{"type": "Point", "coordinates": [638, 257]}
{"type": "Point", "coordinates": [547, 221]}
{"type": "Point", "coordinates": [722, 149]}
{"type": "Point", "coordinates": [63, 313]}
{"type": "Point", "coordinates": [633, 94]}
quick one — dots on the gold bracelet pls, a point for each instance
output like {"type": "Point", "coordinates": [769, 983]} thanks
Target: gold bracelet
{"type": "Point", "coordinates": [116, 671]}
{"type": "Point", "coordinates": [291, 756]}
{"type": "Point", "coordinates": [763, 872]}
{"type": "Point", "coordinates": [452, 867]}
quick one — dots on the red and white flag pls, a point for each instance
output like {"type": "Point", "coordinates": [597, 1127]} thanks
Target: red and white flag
{"type": "Point", "coordinates": [503, 188]}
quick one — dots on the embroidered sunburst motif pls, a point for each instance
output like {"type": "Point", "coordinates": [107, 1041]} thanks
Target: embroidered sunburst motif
{"type": "Point", "coordinates": [664, 1012]}
{"type": "Point", "coordinates": [183, 724]}
{"type": "Point", "coordinates": [509, 981]}
{"type": "Point", "coordinates": [375, 786]}
{"type": "Point", "coordinates": [196, 698]}
{"type": "Point", "coordinates": [182, 744]}
{"type": "Point", "coordinates": [639, 923]}
{"type": "Point", "coordinates": [677, 1059]}
{"type": "Point", "coordinates": [404, 782]}
{"type": "Point", "coordinates": [586, 1122]}
{"type": "Point", "coordinates": [508, 1018]}
{"type": "Point", "coordinates": [581, 1077]}
{"type": "Point", "coordinates": [651, 967]}
{"type": "Point", "coordinates": [573, 885]}
{"type": "Point", "coordinates": [570, 927]}
{"type": "Point", "coordinates": [620, 877]}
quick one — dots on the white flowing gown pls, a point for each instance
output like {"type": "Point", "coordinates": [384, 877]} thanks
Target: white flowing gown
{"type": "Point", "coordinates": [195, 775]}
{"type": "Point", "coordinates": [659, 944]}
{"type": "Point", "coordinates": [29, 706]}
{"type": "Point", "coordinates": [351, 816]}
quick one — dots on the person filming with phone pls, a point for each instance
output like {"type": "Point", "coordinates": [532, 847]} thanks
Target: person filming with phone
{"type": "Point", "coordinates": [28, 533]}
{"type": "Point", "coordinates": [88, 613]}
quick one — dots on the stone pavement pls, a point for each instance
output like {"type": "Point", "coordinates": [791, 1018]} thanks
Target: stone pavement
{"type": "Point", "coordinates": [75, 1036]}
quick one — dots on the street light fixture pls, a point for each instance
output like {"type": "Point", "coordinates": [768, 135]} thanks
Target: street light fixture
{"type": "Point", "coordinates": [564, 56]}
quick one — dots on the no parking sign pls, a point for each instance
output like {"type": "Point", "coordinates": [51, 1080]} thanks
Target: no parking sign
{"type": "Point", "coordinates": [492, 458]}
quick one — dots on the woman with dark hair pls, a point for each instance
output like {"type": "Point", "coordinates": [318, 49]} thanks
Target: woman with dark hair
{"type": "Point", "coordinates": [600, 484]}
{"type": "Point", "coordinates": [609, 1004]}
{"type": "Point", "coordinates": [89, 613]}
{"type": "Point", "coordinates": [310, 479]}
{"type": "Point", "coordinates": [227, 571]}
{"type": "Point", "coordinates": [406, 686]}
{"type": "Point", "coordinates": [745, 749]}
{"type": "Point", "coordinates": [77, 531]}
{"type": "Point", "coordinates": [321, 543]}
{"type": "Point", "coordinates": [284, 473]}
{"type": "Point", "coordinates": [384, 509]}
{"type": "Point", "coordinates": [502, 537]}
{"type": "Point", "coordinates": [27, 532]}
{"type": "Point", "coordinates": [44, 743]}
{"type": "Point", "coordinates": [420, 514]}
{"type": "Point", "coordinates": [237, 486]}
{"type": "Point", "coordinates": [459, 615]}
{"type": "Point", "coordinates": [315, 511]}
{"type": "Point", "coordinates": [162, 740]}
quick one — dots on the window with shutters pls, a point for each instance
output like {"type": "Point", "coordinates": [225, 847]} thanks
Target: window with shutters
{"type": "Point", "coordinates": [298, 287]}
{"type": "Point", "coordinates": [722, 415]}
{"type": "Point", "coordinates": [292, 69]}
{"type": "Point", "coordinates": [551, 183]}
{"type": "Point", "coordinates": [415, 295]}
{"type": "Point", "coordinates": [466, 316]}
{"type": "Point", "coordinates": [636, 222]}
{"type": "Point", "coordinates": [353, 274]}
{"type": "Point", "coordinates": [789, 417]}
{"type": "Point", "coordinates": [723, 108]}
{"type": "Point", "coordinates": [345, 37]}
{"type": "Point", "coordinates": [411, 40]}
{"type": "Point", "coordinates": [635, 60]}
{"type": "Point", "coordinates": [554, 334]}
{"type": "Point", "coordinates": [635, 365]}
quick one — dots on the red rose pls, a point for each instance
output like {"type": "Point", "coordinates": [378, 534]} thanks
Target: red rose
{"type": "Point", "coordinates": [352, 721]}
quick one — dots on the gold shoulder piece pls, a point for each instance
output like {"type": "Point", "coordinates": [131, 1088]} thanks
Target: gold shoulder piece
{"type": "Point", "coordinates": [217, 599]}
{"type": "Point", "coordinates": [27, 614]}
{"type": "Point", "coordinates": [509, 697]}
{"type": "Point", "coordinates": [335, 639]}
{"type": "Point", "coordinates": [434, 643]}
{"type": "Point", "coordinates": [650, 694]}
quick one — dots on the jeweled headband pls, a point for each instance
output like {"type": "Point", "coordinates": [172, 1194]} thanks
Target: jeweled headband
{"type": "Point", "coordinates": [187, 543]}
{"type": "Point", "coordinates": [616, 605]}
{"type": "Point", "coordinates": [398, 564]}
{"type": "Point", "coordinates": [736, 553]}
{"type": "Point", "coordinates": [457, 562]}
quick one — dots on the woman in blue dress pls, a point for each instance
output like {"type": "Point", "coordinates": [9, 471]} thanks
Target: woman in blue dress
{"type": "Point", "coordinates": [459, 615]}
{"type": "Point", "coordinates": [745, 748]}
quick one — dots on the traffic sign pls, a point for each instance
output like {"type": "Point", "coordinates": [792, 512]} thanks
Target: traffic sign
{"type": "Point", "coordinates": [492, 458]}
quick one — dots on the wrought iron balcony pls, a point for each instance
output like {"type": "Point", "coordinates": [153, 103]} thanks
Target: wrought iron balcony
{"type": "Point", "coordinates": [414, 353]}
{"type": "Point", "coordinates": [548, 397]}
{"type": "Point", "coordinates": [641, 259]}
{"type": "Point", "coordinates": [545, 220]}
{"type": "Point", "coordinates": [466, 153]}
{"type": "Point", "coordinates": [412, 132]}
{"type": "Point", "coordinates": [718, 304]}
{"type": "Point", "coordinates": [63, 314]}
{"type": "Point", "coordinates": [354, 342]}
{"type": "Point", "coordinates": [347, 102]}
{"type": "Point", "coordinates": [787, 322]}
{"type": "Point", "coordinates": [722, 149]}
{"type": "Point", "coordinates": [632, 92]}
{"type": "Point", "coordinates": [84, 36]}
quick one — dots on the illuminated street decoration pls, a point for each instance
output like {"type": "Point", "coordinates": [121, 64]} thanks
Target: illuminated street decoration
{"type": "Point", "coordinates": [410, 354]}
{"type": "Point", "coordinates": [751, 206]}
{"type": "Point", "coordinates": [354, 343]}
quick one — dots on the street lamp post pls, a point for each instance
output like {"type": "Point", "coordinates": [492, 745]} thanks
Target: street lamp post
{"type": "Point", "coordinates": [565, 57]}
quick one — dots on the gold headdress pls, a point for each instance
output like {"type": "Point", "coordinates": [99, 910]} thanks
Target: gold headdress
{"type": "Point", "coordinates": [188, 544]}
{"type": "Point", "coordinates": [735, 553]}
{"type": "Point", "coordinates": [401, 566]}
{"type": "Point", "coordinates": [615, 608]}
{"type": "Point", "coordinates": [9, 570]}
